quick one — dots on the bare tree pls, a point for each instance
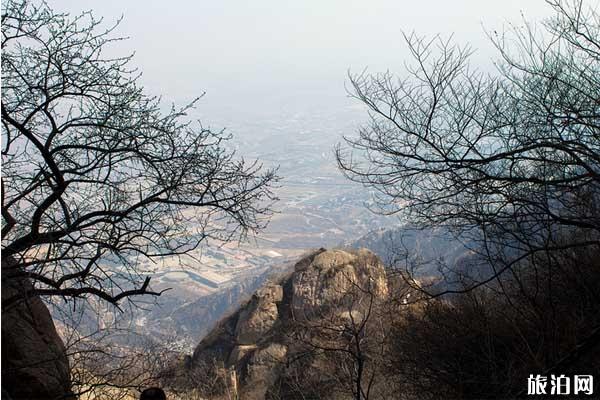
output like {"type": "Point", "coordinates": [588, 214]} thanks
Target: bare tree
{"type": "Point", "coordinates": [107, 358]}
{"type": "Point", "coordinates": [485, 343]}
{"type": "Point", "coordinates": [509, 160]}
{"type": "Point", "coordinates": [97, 177]}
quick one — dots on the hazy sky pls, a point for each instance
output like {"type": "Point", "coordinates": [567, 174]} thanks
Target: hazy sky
{"type": "Point", "coordinates": [240, 50]}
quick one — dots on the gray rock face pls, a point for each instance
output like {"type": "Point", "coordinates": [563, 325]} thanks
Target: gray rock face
{"type": "Point", "coordinates": [331, 276]}
{"type": "Point", "coordinates": [34, 361]}
{"type": "Point", "coordinates": [253, 344]}
{"type": "Point", "coordinates": [259, 315]}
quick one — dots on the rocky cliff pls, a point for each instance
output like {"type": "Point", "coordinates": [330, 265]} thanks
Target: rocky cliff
{"type": "Point", "coordinates": [249, 351]}
{"type": "Point", "coordinates": [34, 361]}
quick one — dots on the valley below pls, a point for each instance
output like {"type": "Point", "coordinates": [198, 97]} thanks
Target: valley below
{"type": "Point", "coordinates": [317, 208]}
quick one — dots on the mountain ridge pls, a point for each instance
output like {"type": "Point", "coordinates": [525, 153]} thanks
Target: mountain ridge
{"type": "Point", "coordinates": [253, 350]}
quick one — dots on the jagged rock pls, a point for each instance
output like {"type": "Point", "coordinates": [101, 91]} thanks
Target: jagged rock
{"type": "Point", "coordinates": [331, 276]}
{"type": "Point", "coordinates": [259, 316]}
{"type": "Point", "coordinates": [34, 360]}
{"type": "Point", "coordinates": [255, 342]}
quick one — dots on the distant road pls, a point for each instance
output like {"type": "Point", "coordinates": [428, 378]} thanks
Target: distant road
{"type": "Point", "coordinates": [298, 183]}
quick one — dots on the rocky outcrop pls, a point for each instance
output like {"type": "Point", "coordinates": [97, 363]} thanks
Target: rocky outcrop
{"type": "Point", "coordinates": [330, 276]}
{"type": "Point", "coordinates": [34, 361]}
{"type": "Point", "coordinates": [252, 346]}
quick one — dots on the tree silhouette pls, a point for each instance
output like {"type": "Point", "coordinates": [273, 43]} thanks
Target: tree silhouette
{"type": "Point", "coordinates": [97, 177]}
{"type": "Point", "coordinates": [509, 161]}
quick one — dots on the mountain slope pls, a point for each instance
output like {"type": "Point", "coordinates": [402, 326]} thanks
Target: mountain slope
{"type": "Point", "coordinates": [255, 351]}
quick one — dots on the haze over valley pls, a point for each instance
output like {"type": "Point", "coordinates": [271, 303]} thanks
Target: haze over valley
{"type": "Point", "coordinates": [317, 199]}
